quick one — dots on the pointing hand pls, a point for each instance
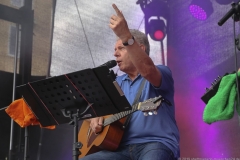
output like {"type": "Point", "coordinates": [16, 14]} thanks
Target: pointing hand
{"type": "Point", "coordinates": [119, 25]}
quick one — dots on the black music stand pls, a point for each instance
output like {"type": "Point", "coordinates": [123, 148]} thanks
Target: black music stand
{"type": "Point", "coordinates": [79, 95]}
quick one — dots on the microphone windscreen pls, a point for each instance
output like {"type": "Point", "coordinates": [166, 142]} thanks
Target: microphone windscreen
{"type": "Point", "coordinates": [110, 64]}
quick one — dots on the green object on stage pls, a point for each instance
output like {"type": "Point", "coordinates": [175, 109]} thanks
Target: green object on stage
{"type": "Point", "coordinates": [221, 105]}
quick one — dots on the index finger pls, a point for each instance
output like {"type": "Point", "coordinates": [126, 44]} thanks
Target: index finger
{"type": "Point", "coordinates": [119, 13]}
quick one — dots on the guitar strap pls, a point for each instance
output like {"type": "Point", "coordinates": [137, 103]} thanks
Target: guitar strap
{"type": "Point", "coordinates": [136, 100]}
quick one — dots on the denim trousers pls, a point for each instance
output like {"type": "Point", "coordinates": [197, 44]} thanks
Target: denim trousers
{"type": "Point", "coordinates": [142, 151]}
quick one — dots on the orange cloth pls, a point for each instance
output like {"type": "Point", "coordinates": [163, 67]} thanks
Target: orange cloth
{"type": "Point", "coordinates": [19, 111]}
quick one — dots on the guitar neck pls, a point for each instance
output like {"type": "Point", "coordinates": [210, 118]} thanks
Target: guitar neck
{"type": "Point", "coordinates": [151, 104]}
{"type": "Point", "coordinates": [120, 115]}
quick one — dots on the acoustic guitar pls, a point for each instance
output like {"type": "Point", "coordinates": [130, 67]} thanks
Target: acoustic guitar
{"type": "Point", "coordinates": [112, 132]}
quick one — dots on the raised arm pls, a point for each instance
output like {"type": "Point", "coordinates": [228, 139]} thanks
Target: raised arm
{"type": "Point", "coordinates": [137, 54]}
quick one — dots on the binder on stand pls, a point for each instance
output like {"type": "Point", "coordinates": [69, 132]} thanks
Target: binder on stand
{"type": "Point", "coordinates": [75, 96]}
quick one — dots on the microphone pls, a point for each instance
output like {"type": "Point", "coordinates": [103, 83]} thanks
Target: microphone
{"type": "Point", "coordinates": [109, 64]}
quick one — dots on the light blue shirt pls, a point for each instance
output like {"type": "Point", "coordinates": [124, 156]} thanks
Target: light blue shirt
{"type": "Point", "coordinates": [161, 127]}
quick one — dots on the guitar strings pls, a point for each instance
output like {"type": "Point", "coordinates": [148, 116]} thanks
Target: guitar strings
{"type": "Point", "coordinates": [119, 115]}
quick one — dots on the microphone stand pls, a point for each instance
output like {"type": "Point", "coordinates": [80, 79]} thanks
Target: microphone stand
{"type": "Point", "coordinates": [235, 13]}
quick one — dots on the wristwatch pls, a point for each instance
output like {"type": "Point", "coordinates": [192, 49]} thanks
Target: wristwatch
{"type": "Point", "coordinates": [129, 42]}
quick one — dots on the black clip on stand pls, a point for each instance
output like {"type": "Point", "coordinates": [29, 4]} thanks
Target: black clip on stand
{"type": "Point", "coordinates": [75, 118]}
{"type": "Point", "coordinates": [234, 11]}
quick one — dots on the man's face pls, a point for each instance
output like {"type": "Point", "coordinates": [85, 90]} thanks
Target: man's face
{"type": "Point", "coordinates": [122, 57]}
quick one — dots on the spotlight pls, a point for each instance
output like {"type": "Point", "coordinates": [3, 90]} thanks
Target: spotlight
{"type": "Point", "coordinates": [201, 9]}
{"type": "Point", "coordinates": [156, 29]}
{"type": "Point", "coordinates": [155, 12]}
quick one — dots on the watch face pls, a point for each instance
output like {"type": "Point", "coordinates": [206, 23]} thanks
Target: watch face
{"type": "Point", "coordinates": [130, 42]}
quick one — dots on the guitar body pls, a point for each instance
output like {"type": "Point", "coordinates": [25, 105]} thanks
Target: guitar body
{"type": "Point", "coordinates": [108, 139]}
{"type": "Point", "coordinates": [112, 132]}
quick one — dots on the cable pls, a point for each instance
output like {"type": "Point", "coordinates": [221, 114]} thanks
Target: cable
{"type": "Point", "coordinates": [84, 33]}
{"type": "Point", "coordinates": [141, 23]}
{"type": "Point", "coordinates": [163, 56]}
{"type": "Point", "coordinates": [54, 3]}
{"type": "Point", "coordinates": [3, 108]}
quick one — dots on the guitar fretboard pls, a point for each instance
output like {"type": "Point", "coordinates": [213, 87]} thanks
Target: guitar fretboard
{"type": "Point", "coordinates": [120, 115]}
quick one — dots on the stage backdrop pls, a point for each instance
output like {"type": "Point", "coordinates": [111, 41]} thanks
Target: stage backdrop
{"type": "Point", "coordinates": [82, 38]}
{"type": "Point", "coordinates": [196, 51]}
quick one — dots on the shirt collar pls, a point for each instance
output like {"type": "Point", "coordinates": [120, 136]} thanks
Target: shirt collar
{"type": "Point", "coordinates": [126, 77]}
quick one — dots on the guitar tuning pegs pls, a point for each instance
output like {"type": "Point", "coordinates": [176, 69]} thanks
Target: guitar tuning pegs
{"type": "Point", "coordinates": [206, 89]}
{"type": "Point", "coordinates": [145, 114]}
{"type": "Point", "coordinates": [150, 113]}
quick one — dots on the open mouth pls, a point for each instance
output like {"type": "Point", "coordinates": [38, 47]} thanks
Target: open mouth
{"type": "Point", "coordinates": [119, 62]}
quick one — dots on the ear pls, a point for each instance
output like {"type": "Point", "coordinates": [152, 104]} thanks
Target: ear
{"type": "Point", "coordinates": [143, 47]}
